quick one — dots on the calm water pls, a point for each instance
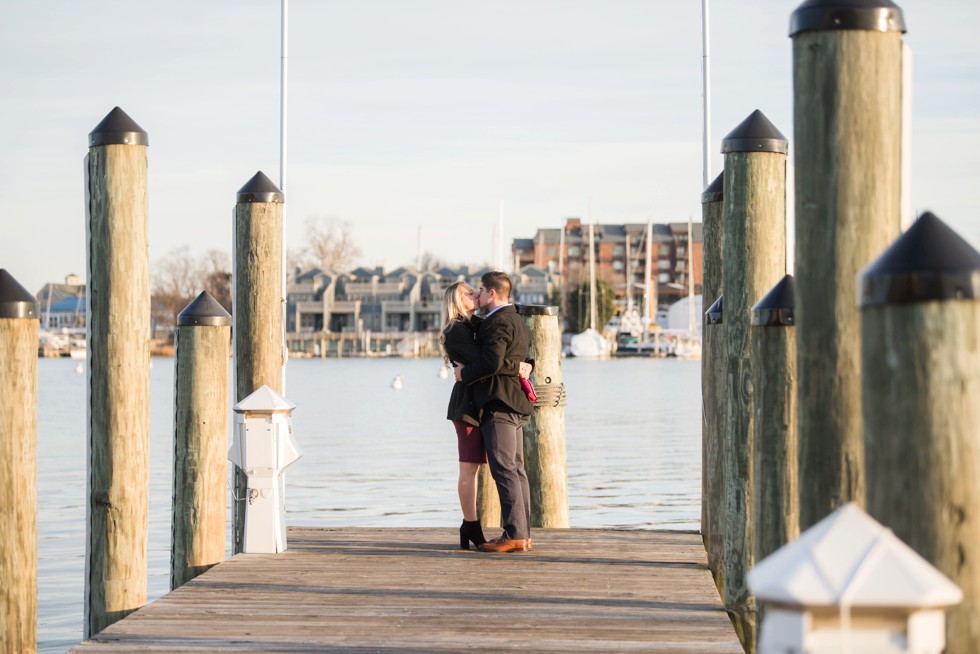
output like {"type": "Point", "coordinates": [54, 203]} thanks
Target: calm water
{"type": "Point", "coordinates": [373, 456]}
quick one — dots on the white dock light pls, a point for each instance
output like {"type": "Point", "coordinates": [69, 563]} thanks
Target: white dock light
{"type": "Point", "coordinates": [849, 585]}
{"type": "Point", "coordinates": [263, 447]}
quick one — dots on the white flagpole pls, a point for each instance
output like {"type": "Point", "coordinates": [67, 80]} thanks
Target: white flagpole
{"type": "Point", "coordinates": [706, 95]}
{"type": "Point", "coordinates": [283, 85]}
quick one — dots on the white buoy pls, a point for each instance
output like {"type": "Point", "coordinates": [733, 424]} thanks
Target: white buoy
{"type": "Point", "coordinates": [398, 382]}
{"type": "Point", "coordinates": [443, 372]}
{"type": "Point", "coordinates": [79, 368]}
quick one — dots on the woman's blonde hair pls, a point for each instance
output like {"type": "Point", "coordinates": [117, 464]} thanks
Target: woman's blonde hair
{"type": "Point", "coordinates": [452, 308]}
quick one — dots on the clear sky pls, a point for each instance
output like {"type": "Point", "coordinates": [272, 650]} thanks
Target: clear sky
{"type": "Point", "coordinates": [425, 113]}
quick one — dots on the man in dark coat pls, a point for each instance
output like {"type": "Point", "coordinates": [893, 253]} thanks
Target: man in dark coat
{"type": "Point", "coordinates": [504, 407]}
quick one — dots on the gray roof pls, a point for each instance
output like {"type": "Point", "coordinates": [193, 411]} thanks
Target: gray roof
{"type": "Point", "coordinates": [533, 271]}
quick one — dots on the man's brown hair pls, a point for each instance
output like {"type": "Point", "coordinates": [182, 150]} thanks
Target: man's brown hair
{"type": "Point", "coordinates": [497, 281]}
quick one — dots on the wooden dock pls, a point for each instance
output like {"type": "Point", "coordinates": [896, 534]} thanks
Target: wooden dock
{"type": "Point", "coordinates": [366, 590]}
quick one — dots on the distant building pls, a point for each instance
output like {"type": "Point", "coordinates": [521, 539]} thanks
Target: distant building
{"type": "Point", "coordinates": [620, 258]}
{"type": "Point", "coordinates": [62, 306]}
{"type": "Point", "coordinates": [532, 285]}
{"type": "Point", "coordinates": [370, 299]}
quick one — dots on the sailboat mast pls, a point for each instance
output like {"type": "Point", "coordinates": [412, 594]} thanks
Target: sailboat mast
{"type": "Point", "coordinates": [690, 276]}
{"type": "Point", "coordinates": [499, 258]}
{"type": "Point", "coordinates": [648, 292]}
{"type": "Point", "coordinates": [629, 278]}
{"type": "Point", "coordinates": [593, 313]}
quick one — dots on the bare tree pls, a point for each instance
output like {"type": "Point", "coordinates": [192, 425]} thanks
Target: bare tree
{"type": "Point", "coordinates": [180, 277]}
{"type": "Point", "coordinates": [329, 245]}
{"type": "Point", "coordinates": [429, 261]}
{"type": "Point", "coordinates": [216, 271]}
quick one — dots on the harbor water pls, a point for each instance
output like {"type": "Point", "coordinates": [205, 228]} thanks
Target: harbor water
{"type": "Point", "coordinates": [374, 456]}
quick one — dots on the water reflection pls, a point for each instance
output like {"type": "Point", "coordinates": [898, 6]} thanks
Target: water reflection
{"type": "Point", "coordinates": [378, 457]}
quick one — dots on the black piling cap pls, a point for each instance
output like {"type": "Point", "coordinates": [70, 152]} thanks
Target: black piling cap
{"type": "Point", "coordinates": [755, 134]}
{"type": "Point", "coordinates": [827, 15]}
{"type": "Point", "coordinates": [536, 310]}
{"type": "Point", "coordinates": [929, 262]}
{"type": "Point", "coordinates": [15, 300]}
{"type": "Point", "coordinates": [204, 311]}
{"type": "Point", "coordinates": [775, 309]}
{"type": "Point", "coordinates": [716, 311]}
{"type": "Point", "coordinates": [715, 190]}
{"type": "Point", "coordinates": [260, 189]}
{"type": "Point", "coordinates": [118, 128]}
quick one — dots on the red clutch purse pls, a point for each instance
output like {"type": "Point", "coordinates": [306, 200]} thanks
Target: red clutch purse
{"type": "Point", "coordinates": [529, 390]}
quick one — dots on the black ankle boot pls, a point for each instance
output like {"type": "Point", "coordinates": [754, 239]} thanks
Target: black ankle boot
{"type": "Point", "coordinates": [470, 532]}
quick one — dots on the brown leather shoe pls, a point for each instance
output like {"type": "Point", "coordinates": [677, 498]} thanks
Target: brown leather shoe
{"type": "Point", "coordinates": [505, 545]}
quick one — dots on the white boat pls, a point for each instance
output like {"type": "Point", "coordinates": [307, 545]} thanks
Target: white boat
{"type": "Point", "coordinates": [590, 344]}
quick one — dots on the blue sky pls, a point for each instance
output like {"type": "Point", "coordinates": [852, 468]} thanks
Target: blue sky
{"type": "Point", "coordinates": [425, 114]}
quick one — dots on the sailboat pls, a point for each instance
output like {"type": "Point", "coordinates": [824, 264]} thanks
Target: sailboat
{"type": "Point", "coordinates": [590, 344]}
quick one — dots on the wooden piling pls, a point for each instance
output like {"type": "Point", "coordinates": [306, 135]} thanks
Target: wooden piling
{"type": "Point", "coordinates": [920, 357]}
{"type": "Point", "coordinates": [712, 375]}
{"type": "Point", "coordinates": [544, 435]}
{"type": "Point", "coordinates": [487, 499]}
{"type": "Point", "coordinates": [847, 96]}
{"type": "Point", "coordinates": [200, 439]}
{"type": "Point", "coordinates": [18, 466]}
{"type": "Point", "coordinates": [259, 356]}
{"type": "Point", "coordinates": [754, 259]}
{"type": "Point", "coordinates": [776, 490]}
{"type": "Point", "coordinates": [118, 370]}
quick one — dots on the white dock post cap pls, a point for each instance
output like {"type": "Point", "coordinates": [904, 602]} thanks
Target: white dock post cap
{"type": "Point", "coordinates": [264, 400]}
{"type": "Point", "coordinates": [849, 559]}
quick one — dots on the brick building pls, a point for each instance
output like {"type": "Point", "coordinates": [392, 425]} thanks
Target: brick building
{"type": "Point", "coordinates": [620, 257]}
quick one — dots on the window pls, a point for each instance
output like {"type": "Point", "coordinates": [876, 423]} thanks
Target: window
{"type": "Point", "coordinates": [663, 264]}
{"type": "Point", "coordinates": [574, 251]}
{"type": "Point", "coordinates": [665, 250]}
{"type": "Point", "coordinates": [617, 265]}
{"type": "Point", "coordinates": [663, 278]}
{"type": "Point", "coordinates": [552, 251]}
{"type": "Point", "coordinates": [618, 250]}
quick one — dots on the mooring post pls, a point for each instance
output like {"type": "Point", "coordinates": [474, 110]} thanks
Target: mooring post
{"type": "Point", "coordinates": [847, 99]}
{"type": "Point", "coordinates": [118, 347]}
{"type": "Point", "coordinates": [715, 413]}
{"type": "Point", "coordinates": [257, 306]}
{"type": "Point", "coordinates": [920, 357]}
{"type": "Point", "coordinates": [200, 438]}
{"type": "Point", "coordinates": [487, 499]}
{"type": "Point", "coordinates": [712, 374]}
{"type": "Point", "coordinates": [754, 258]}
{"type": "Point", "coordinates": [544, 435]}
{"type": "Point", "coordinates": [776, 492]}
{"type": "Point", "coordinates": [18, 466]}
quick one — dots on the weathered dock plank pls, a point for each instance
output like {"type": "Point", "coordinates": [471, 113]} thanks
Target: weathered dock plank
{"type": "Point", "coordinates": [578, 590]}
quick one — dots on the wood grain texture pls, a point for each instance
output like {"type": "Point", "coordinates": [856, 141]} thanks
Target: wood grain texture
{"type": "Point", "coordinates": [258, 317]}
{"type": "Point", "coordinates": [754, 260]}
{"type": "Point", "coordinates": [487, 501]}
{"type": "Point", "coordinates": [200, 451]}
{"type": "Point", "coordinates": [413, 590]}
{"type": "Point", "coordinates": [847, 126]}
{"type": "Point", "coordinates": [118, 377]}
{"type": "Point", "coordinates": [18, 470]}
{"type": "Point", "coordinates": [776, 490]}
{"type": "Point", "coordinates": [544, 435]}
{"type": "Point", "coordinates": [713, 403]}
{"type": "Point", "coordinates": [921, 379]}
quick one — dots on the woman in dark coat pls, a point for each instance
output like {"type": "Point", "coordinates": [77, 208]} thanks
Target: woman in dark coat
{"type": "Point", "coordinates": [460, 346]}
